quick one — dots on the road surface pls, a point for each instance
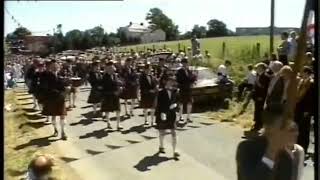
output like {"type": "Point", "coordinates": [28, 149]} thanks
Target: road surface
{"type": "Point", "coordinates": [207, 147]}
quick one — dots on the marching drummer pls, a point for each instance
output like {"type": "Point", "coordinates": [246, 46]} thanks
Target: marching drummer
{"type": "Point", "coordinates": [54, 105]}
{"type": "Point", "coordinates": [185, 80]}
{"type": "Point", "coordinates": [95, 80]}
{"type": "Point", "coordinates": [66, 73]}
{"type": "Point", "coordinates": [166, 113]}
{"type": "Point", "coordinates": [130, 79]}
{"type": "Point", "coordinates": [148, 91]}
{"type": "Point", "coordinates": [111, 92]}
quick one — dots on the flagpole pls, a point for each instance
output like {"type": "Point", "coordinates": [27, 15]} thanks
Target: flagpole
{"type": "Point", "coordinates": [297, 66]}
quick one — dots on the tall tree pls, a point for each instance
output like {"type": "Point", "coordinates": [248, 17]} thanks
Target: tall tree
{"type": "Point", "coordinates": [158, 20]}
{"type": "Point", "coordinates": [73, 39]}
{"type": "Point", "coordinates": [199, 31]}
{"type": "Point", "coordinates": [217, 28]}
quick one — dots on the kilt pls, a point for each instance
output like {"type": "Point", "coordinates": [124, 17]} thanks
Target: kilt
{"type": "Point", "coordinates": [95, 96]}
{"type": "Point", "coordinates": [110, 104]}
{"type": "Point", "coordinates": [54, 106]}
{"type": "Point", "coordinates": [185, 96]}
{"type": "Point", "coordinates": [130, 92]}
{"type": "Point", "coordinates": [167, 124]}
{"type": "Point", "coordinates": [147, 100]}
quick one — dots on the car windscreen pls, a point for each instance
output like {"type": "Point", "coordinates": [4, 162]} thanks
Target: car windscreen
{"type": "Point", "coordinates": [205, 74]}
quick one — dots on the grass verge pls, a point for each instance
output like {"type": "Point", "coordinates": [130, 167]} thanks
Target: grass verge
{"type": "Point", "coordinates": [17, 132]}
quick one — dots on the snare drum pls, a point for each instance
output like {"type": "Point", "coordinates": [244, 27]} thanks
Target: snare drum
{"type": "Point", "coordinates": [76, 82]}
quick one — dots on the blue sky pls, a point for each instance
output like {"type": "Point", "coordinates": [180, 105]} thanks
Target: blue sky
{"type": "Point", "coordinates": [45, 15]}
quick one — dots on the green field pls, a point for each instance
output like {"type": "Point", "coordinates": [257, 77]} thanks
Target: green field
{"type": "Point", "coordinates": [240, 50]}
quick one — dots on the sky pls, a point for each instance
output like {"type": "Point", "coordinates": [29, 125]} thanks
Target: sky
{"type": "Point", "coordinates": [41, 17]}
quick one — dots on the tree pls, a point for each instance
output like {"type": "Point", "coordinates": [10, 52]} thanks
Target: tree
{"type": "Point", "coordinates": [21, 32]}
{"type": "Point", "coordinates": [199, 31]}
{"type": "Point", "coordinates": [59, 43]}
{"type": "Point", "coordinates": [73, 39]}
{"type": "Point", "coordinates": [186, 35]}
{"type": "Point", "coordinates": [158, 20]}
{"type": "Point", "coordinates": [217, 28]}
{"type": "Point", "coordinates": [97, 34]}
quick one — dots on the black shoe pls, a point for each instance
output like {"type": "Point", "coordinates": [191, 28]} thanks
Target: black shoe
{"type": "Point", "coordinates": [181, 120]}
{"type": "Point", "coordinates": [55, 134]}
{"type": "Point", "coordinates": [176, 156]}
{"type": "Point", "coordinates": [119, 127]}
{"type": "Point", "coordinates": [161, 151]}
{"type": "Point", "coordinates": [189, 120]}
{"type": "Point", "coordinates": [64, 136]}
{"type": "Point", "coordinates": [109, 125]}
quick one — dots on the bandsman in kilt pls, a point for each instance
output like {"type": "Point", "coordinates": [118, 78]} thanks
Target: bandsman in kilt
{"type": "Point", "coordinates": [54, 104]}
{"type": "Point", "coordinates": [95, 80]}
{"type": "Point", "coordinates": [130, 79]}
{"type": "Point", "coordinates": [111, 88]}
{"type": "Point", "coordinates": [166, 113]}
{"type": "Point", "coordinates": [31, 80]}
{"type": "Point", "coordinates": [66, 73]}
{"type": "Point", "coordinates": [185, 79]}
{"type": "Point", "coordinates": [148, 92]}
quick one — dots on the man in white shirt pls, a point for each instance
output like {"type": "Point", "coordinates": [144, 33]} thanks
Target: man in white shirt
{"type": "Point", "coordinates": [248, 82]}
{"type": "Point", "coordinates": [223, 72]}
{"type": "Point", "coordinates": [292, 46]}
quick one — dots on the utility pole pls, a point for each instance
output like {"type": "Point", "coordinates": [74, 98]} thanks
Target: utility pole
{"type": "Point", "coordinates": [272, 27]}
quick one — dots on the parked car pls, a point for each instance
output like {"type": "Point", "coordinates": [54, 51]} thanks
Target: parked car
{"type": "Point", "coordinates": [207, 89]}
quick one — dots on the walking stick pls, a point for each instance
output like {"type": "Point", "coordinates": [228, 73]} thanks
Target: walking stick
{"type": "Point", "coordinates": [292, 87]}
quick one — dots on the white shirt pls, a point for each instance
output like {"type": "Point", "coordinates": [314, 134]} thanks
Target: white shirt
{"type": "Point", "coordinates": [223, 70]}
{"type": "Point", "coordinates": [292, 48]}
{"type": "Point", "coordinates": [251, 77]}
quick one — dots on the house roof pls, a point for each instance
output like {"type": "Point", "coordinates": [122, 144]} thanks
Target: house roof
{"type": "Point", "coordinates": [134, 27]}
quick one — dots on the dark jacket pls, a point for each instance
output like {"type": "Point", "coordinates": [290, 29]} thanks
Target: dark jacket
{"type": "Point", "coordinates": [250, 166]}
{"type": "Point", "coordinates": [95, 79]}
{"type": "Point", "coordinates": [307, 102]}
{"type": "Point", "coordinates": [145, 86]}
{"type": "Point", "coordinates": [163, 106]}
{"type": "Point", "coordinates": [274, 98]}
{"type": "Point", "coordinates": [260, 91]}
{"type": "Point", "coordinates": [184, 80]}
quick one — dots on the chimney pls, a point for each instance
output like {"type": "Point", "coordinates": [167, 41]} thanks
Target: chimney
{"type": "Point", "coordinates": [141, 24]}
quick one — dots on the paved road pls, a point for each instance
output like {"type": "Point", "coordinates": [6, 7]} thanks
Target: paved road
{"type": "Point", "coordinates": [207, 148]}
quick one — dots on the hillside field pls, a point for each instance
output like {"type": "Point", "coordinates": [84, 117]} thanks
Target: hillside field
{"type": "Point", "coordinates": [240, 50]}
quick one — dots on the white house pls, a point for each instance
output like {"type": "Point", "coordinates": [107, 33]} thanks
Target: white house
{"type": "Point", "coordinates": [142, 32]}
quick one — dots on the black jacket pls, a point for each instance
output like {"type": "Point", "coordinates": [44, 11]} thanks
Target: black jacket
{"type": "Point", "coordinates": [250, 166]}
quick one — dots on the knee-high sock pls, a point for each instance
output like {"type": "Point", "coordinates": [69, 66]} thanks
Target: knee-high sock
{"type": "Point", "coordinates": [118, 117]}
{"type": "Point", "coordinates": [48, 118]}
{"type": "Point", "coordinates": [161, 137]}
{"type": "Point", "coordinates": [152, 114]}
{"type": "Point", "coordinates": [133, 101]}
{"type": "Point", "coordinates": [145, 113]}
{"type": "Point", "coordinates": [62, 123]}
{"type": "Point", "coordinates": [35, 102]}
{"type": "Point", "coordinates": [74, 96]}
{"type": "Point", "coordinates": [174, 139]}
{"type": "Point", "coordinates": [189, 109]}
{"type": "Point", "coordinates": [95, 107]}
{"type": "Point", "coordinates": [40, 107]}
{"type": "Point", "coordinates": [106, 117]}
{"type": "Point", "coordinates": [125, 106]}
{"type": "Point", "coordinates": [54, 123]}
{"type": "Point", "coordinates": [180, 110]}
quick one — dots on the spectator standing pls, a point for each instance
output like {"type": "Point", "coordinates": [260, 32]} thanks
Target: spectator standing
{"type": "Point", "coordinates": [248, 82]}
{"type": "Point", "coordinates": [292, 46]}
{"type": "Point", "coordinates": [283, 49]}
